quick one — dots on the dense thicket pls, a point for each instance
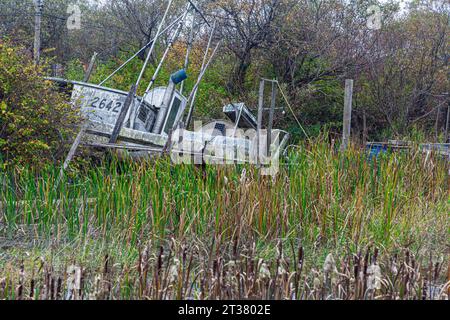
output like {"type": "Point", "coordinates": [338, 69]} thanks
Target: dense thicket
{"type": "Point", "coordinates": [35, 120]}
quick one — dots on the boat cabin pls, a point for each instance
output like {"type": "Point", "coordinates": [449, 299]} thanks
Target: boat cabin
{"type": "Point", "coordinates": [103, 105]}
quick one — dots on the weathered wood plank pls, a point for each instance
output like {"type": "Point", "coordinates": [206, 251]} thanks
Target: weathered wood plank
{"type": "Point", "coordinates": [89, 70]}
{"type": "Point", "coordinates": [123, 113]}
{"type": "Point", "coordinates": [347, 114]}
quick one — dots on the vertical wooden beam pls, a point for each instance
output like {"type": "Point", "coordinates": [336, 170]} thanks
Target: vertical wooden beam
{"type": "Point", "coordinates": [347, 114]}
{"type": "Point", "coordinates": [436, 124]}
{"type": "Point", "coordinates": [57, 70]}
{"type": "Point", "coordinates": [271, 116]}
{"type": "Point", "coordinates": [71, 154]}
{"type": "Point", "coordinates": [89, 70]}
{"type": "Point", "coordinates": [365, 132]}
{"type": "Point", "coordinates": [37, 31]}
{"type": "Point", "coordinates": [260, 118]}
{"type": "Point", "coordinates": [447, 124]}
{"type": "Point", "coordinates": [74, 148]}
{"type": "Point", "coordinates": [123, 114]}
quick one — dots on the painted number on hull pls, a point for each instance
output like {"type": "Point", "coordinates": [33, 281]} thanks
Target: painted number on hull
{"type": "Point", "coordinates": [105, 104]}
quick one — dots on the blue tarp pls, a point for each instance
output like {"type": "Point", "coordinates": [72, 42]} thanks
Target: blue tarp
{"type": "Point", "coordinates": [375, 149]}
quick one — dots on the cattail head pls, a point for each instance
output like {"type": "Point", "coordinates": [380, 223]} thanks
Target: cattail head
{"type": "Point", "coordinates": [330, 264]}
{"type": "Point", "coordinates": [317, 283]}
{"type": "Point", "coordinates": [243, 176]}
{"type": "Point", "coordinates": [173, 271]}
{"type": "Point", "coordinates": [374, 277]}
{"type": "Point", "coordinates": [264, 271]}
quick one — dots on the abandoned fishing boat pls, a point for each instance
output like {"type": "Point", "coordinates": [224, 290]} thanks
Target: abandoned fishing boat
{"type": "Point", "coordinates": [154, 123]}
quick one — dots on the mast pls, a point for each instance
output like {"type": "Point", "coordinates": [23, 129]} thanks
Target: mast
{"type": "Point", "coordinates": [188, 50]}
{"type": "Point", "coordinates": [203, 68]}
{"type": "Point", "coordinates": [153, 45]}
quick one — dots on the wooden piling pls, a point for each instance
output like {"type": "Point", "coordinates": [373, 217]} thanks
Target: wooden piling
{"type": "Point", "coordinates": [347, 114]}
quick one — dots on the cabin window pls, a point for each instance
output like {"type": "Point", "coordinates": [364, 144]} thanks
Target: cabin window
{"type": "Point", "coordinates": [143, 113]}
{"type": "Point", "coordinates": [172, 114]}
{"type": "Point", "coordinates": [147, 116]}
{"type": "Point", "coordinates": [220, 127]}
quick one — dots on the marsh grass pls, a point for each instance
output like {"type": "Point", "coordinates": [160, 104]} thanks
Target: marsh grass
{"type": "Point", "coordinates": [328, 226]}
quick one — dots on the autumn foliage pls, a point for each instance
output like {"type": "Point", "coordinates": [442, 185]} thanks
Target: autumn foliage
{"type": "Point", "coordinates": [35, 120]}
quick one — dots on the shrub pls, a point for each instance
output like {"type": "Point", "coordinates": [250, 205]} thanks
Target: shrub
{"type": "Point", "coordinates": [35, 120]}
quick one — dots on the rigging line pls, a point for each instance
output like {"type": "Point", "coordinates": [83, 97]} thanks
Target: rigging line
{"type": "Point", "coordinates": [292, 111]}
{"type": "Point", "coordinates": [200, 77]}
{"type": "Point", "coordinates": [172, 39]}
{"type": "Point", "coordinates": [189, 43]}
{"type": "Point", "coordinates": [158, 32]}
{"type": "Point", "coordinates": [195, 90]}
{"type": "Point", "coordinates": [169, 27]}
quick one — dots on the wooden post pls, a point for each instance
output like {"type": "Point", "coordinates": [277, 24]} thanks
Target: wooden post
{"type": "Point", "coordinates": [123, 114]}
{"type": "Point", "coordinates": [271, 116]}
{"type": "Point", "coordinates": [37, 31]}
{"type": "Point", "coordinates": [57, 70]}
{"type": "Point", "coordinates": [168, 146]}
{"type": "Point", "coordinates": [436, 124]}
{"type": "Point", "coordinates": [447, 137]}
{"type": "Point", "coordinates": [347, 114]}
{"type": "Point", "coordinates": [89, 70]}
{"type": "Point", "coordinates": [74, 147]}
{"type": "Point", "coordinates": [365, 133]}
{"type": "Point", "coordinates": [260, 118]}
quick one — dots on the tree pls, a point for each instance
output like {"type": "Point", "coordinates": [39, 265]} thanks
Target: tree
{"type": "Point", "coordinates": [140, 18]}
{"type": "Point", "coordinates": [406, 78]}
{"type": "Point", "coordinates": [35, 121]}
{"type": "Point", "coordinates": [246, 25]}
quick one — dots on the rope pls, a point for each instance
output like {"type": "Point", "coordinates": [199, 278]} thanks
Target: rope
{"type": "Point", "coordinates": [292, 111]}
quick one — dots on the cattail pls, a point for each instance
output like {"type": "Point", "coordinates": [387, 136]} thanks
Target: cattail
{"type": "Point", "coordinates": [173, 272]}
{"type": "Point", "coordinates": [21, 281]}
{"type": "Point", "coordinates": [330, 265]}
{"type": "Point", "coordinates": [281, 270]}
{"type": "Point", "coordinates": [264, 271]}
{"type": "Point", "coordinates": [317, 283]}
{"type": "Point", "coordinates": [243, 178]}
{"type": "Point", "coordinates": [32, 284]}
{"type": "Point", "coordinates": [374, 277]}
{"type": "Point", "coordinates": [394, 268]}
